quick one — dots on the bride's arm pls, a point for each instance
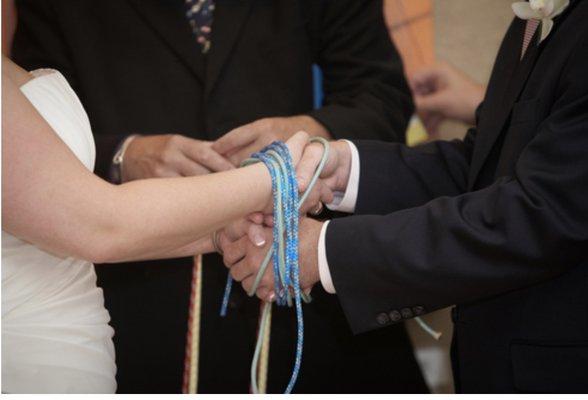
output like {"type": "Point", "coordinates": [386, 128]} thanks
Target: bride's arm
{"type": "Point", "coordinates": [50, 199]}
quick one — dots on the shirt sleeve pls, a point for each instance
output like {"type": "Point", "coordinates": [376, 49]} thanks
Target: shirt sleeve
{"type": "Point", "coordinates": [324, 273]}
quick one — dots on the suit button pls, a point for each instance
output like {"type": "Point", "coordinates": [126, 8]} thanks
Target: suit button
{"type": "Point", "coordinates": [395, 316]}
{"type": "Point", "coordinates": [418, 310]}
{"type": "Point", "coordinates": [454, 314]}
{"type": "Point", "coordinates": [383, 319]}
{"type": "Point", "coordinates": [406, 313]}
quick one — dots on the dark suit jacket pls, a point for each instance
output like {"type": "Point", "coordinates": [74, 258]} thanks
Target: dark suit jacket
{"type": "Point", "coordinates": [137, 68]}
{"type": "Point", "coordinates": [496, 223]}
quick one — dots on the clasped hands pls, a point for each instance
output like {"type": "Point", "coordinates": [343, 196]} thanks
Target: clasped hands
{"type": "Point", "coordinates": [244, 243]}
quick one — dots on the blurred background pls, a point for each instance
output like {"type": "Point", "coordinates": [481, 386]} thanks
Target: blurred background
{"type": "Point", "coordinates": [467, 34]}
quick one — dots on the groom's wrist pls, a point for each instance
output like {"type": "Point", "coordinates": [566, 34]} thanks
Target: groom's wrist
{"type": "Point", "coordinates": [344, 150]}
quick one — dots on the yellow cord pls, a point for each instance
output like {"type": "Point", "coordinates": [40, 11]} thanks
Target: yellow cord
{"type": "Point", "coordinates": [264, 356]}
{"type": "Point", "coordinates": [194, 327]}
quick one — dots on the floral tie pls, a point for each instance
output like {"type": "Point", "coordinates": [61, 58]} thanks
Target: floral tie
{"type": "Point", "coordinates": [199, 14]}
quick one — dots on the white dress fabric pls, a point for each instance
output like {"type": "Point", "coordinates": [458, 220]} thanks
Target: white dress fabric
{"type": "Point", "coordinates": [55, 332]}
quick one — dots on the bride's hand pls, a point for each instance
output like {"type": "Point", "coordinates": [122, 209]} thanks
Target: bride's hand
{"type": "Point", "coordinates": [247, 229]}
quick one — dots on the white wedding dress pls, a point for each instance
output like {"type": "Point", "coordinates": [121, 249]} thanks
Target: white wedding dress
{"type": "Point", "coordinates": [55, 332]}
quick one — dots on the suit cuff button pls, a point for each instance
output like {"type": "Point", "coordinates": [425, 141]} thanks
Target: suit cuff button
{"type": "Point", "coordinates": [395, 316]}
{"type": "Point", "coordinates": [383, 319]}
{"type": "Point", "coordinates": [418, 310]}
{"type": "Point", "coordinates": [406, 313]}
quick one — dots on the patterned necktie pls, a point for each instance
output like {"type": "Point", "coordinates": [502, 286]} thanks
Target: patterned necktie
{"type": "Point", "coordinates": [199, 14]}
{"type": "Point", "coordinates": [530, 29]}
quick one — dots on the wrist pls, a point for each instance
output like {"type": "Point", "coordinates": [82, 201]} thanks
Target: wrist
{"type": "Point", "coordinates": [261, 185]}
{"type": "Point", "coordinates": [343, 154]}
{"type": "Point", "coordinates": [117, 173]}
{"type": "Point", "coordinates": [310, 236]}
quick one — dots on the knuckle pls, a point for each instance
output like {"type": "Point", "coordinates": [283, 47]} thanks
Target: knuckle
{"type": "Point", "coordinates": [173, 140]}
{"type": "Point", "coordinates": [203, 155]}
{"type": "Point", "coordinates": [158, 170]}
{"type": "Point", "coordinates": [167, 155]}
{"type": "Point", "coordinates": [265, 123]}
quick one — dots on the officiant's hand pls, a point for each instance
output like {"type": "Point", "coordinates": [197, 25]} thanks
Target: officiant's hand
{"type": "Point", "coordinates": [245, 140]}
{"type": "Point", "coordinates": [165, 156]}
{"type": "Point", "coordinates": [444, 92]}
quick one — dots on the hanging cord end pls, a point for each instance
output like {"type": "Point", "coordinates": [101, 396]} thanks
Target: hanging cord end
{"type": "Point", "coordinates": [424, 326]}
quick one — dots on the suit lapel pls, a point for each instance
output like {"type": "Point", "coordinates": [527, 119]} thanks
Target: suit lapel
{"type": "Point", "coordinates": [505, 89]}
{"type": "Point", "coordinates": [229, 16]}
{"type": "Point", "coordinates": [499, 102]}
{"type": "Point", "coordinates": [167, 19]}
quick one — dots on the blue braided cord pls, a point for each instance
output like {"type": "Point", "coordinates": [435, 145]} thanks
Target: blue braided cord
{"type": "Point", "coordinates": [226, 295]}
{"type": "Point", "coordinates": [286, 267]}
{"type": "Point", "coordinates": [286, 203]}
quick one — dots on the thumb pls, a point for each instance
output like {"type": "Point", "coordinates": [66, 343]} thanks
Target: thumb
{"type": "Point", "coordinates": [431, 103]}
{"type": "Point", "coordinates": [234, 139]}
{"type": "Point", "coordinates": [296, 145]}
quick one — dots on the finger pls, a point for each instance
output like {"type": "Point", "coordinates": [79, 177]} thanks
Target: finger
{"type": "Point", "coordinates": [187, 167]}
{"type": "Point", "coordinates": [433, 103]}
{"type": "Point", "coordinates": [237, 229]}
{"type": "Point", "coordinates": [237, 157]}
{"type": "Point", "coordinates": [202, 153]}
{"type": "Point", "coordinates": [320, 194]}
{"type": "Point", "coordinates": [256, 218]}
{"type": "Point", "coordinates": [432, 124]}
{"type": "Point", "coordinates": [327, 195]}
{"type": "Point", "coordinates": [233, 252]}
{"type": "Point", "coordinates": [166, 173]}
{"type": "Point", "coordinates": [268, 220]}
{"type": "Point", "coordinates": [267, 280]}
{"type": "Point", "coordinates": [236, 138]}
{"type": "Point", "coordinates": [424, 80]}
{"type": "Point", "coordinates": [263, 293]}
{"type": "Point", "coordinates": [241, 271]}
{"type": "Point", "coordinates": [256, 234]}
{"type": "Point", "coordinates": [296, 145]}
{"type": "Point", "coordinates": [311, 201]}
{"type": "Point", "coordinates": [307, 166]}
{"type": "Point", "coordinates": [248, 282]}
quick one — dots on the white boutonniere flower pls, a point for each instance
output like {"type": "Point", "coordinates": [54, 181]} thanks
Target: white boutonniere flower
{"type": "Point", "coordinates": [542, 10]}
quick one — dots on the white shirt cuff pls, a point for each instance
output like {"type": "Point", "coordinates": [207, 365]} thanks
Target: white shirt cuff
{"type": "Point", "coordinates": [345, 202]}
{"type": "Point", "coordinates": [323, 265]}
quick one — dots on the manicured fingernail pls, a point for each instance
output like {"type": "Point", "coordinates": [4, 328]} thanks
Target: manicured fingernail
{"type": "Point", "coordinates": [271, 297]}
{"type": "Point", "coordinates": [258, 240]}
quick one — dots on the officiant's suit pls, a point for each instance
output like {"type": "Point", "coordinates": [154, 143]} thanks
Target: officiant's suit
{"type": "Point", "coordinates": [498, 224]}
{"type": "Point", "coordinates": [138, 68]}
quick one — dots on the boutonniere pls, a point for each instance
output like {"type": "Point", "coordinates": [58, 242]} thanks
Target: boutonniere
{"type": "Point", "coordinates": [541, 10]}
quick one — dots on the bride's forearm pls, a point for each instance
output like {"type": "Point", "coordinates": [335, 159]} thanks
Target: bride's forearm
{"type": "Point", "coordinates": [50, 199]}
{"type": "Point", "coordinates": [156, 216]}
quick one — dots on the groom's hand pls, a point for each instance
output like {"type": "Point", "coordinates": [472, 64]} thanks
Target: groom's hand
{"type": "Point", "coordinates": [166, 156]}
{"type": "Point", "coordinates": [335, 174]}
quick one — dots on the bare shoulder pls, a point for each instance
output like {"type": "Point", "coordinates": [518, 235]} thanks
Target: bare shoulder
{"type": "Point", "coordinates": [15, 73]}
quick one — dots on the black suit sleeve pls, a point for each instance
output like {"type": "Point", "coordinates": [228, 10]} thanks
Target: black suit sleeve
{"type": "Point", "coordinates": [39, 43]}
{"type": "Point", "coordinates": [366, 93]}
{"type": "Point", "coordinates": [521, 230]}
{"type": "Point", "coordinates": [410, 176]}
